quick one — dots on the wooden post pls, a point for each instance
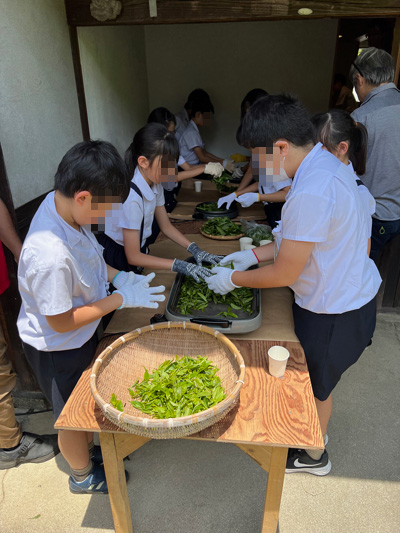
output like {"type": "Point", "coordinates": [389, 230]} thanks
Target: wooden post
{"type": "Point", "coordinates": [80, 89]}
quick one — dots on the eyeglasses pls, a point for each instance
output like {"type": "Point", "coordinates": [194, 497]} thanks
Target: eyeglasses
{"type": "Point", "coordinates": [357, 69]}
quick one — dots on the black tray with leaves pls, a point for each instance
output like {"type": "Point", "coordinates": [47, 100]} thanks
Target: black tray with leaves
{"type": "Point", "coordinates": [236, 312]}
{"type": "Point", "coordinates": [207, 210]}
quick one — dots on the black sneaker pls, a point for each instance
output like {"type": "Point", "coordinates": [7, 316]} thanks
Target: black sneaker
{"type": "Point", "coordinates": [300, 461]}
{"type": "Point", "coordinates": [31, 449]}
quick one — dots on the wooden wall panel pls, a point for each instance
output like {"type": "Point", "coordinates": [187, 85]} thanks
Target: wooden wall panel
{"type": "Point", "coordinates": [186, 11]}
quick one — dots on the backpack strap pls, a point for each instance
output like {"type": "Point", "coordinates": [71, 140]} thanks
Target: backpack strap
{"type": "Point", "coordinates": [135, 188]}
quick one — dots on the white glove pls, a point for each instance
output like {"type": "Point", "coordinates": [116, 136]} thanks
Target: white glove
{"type": "Point", "coordinates": [130, 278]}
{"type": "Point", "coordinates": [229, 165]}
{"type": "Point", "coordinates": [241, 260]}
{"type": "Point", "coordinates": [221, 280]}
{"type": "Point", "coordinates": [238, 173]}
{"type": "Point", "coordinates": [227, 200]}
{"type": "Point", "coordinates": [248, 198]}
{"type": "Point", "coordinates": [140, 294]}
{"type": "Point", "coordinates": [215, 169]}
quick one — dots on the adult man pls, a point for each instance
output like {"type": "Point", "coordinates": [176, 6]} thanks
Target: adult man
{"type": "Point", "coordinates": [372, 74]}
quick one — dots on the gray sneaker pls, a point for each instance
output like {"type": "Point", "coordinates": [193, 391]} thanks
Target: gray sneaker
{"type": "Point", "coordinates": [31, 449]}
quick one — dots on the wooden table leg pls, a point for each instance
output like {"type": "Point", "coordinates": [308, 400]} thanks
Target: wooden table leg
{"type": "Point", "coordinates": [273, 496]}
{"type": "Point", "coordinates": [116, 482]}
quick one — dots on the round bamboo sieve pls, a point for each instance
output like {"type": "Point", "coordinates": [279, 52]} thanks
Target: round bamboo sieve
{"type": "Point", "coordinates": [124, 361]}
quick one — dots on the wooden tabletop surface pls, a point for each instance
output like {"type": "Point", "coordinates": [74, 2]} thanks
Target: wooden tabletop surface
{"type": "Point", "coordinates": [272, 411]}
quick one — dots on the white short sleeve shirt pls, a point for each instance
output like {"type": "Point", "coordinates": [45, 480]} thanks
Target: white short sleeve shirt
{"type": "Point", "coordinates": [188, 141]}
{"type": "Point", "coordinates": [60, 268]}
{"type": "Point", "coordinates": [130, 214]}
{"type": "Point", "coordinates": [182, 121]}
{"type": "Point", "coordinates": [324, 206]}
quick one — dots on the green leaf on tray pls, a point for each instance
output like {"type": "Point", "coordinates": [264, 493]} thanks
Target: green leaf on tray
{"type": "Point", "coordinates": [178, 387]}
{"type": "Point", "coordinates": [195, 296]}
{"type": "Point", "coordinates": [221, 226]}
{"type": "Point", "coordinates": [116, 403]}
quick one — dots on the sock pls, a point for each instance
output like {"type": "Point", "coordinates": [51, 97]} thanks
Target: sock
{"type": "Point", "coordinates": [315, 454]}
{"type": "Point", "coordinates": [11, 449]}
{"type": "Point", "coordinates": [82, 474]}
{"type": "Point", "coordinates": [91, 449]}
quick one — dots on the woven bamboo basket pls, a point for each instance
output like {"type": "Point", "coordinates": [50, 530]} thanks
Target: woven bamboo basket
{"type": "Point", "coordinates": [222, 237]}
{"type": "Point", "coordinates": [123, 362]}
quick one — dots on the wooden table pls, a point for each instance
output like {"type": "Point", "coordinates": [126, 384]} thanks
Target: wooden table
{"type": "Point", "coordinates": [188, 198]}
{"type": "Point", "coordinates": [273, 414]}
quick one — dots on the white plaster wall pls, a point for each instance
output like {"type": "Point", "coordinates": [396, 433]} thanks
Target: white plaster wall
{"type": "Point", "coordinates": [228, 60]}
{"type": "Point", "coordinates": [39, 115]}
{"type": "Point", "coordinates": [115, 78]}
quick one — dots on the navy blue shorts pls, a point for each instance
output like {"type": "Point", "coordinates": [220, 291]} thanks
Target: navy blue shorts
{"type": "Point", "coordinates": [58, 372]}
{"type": "Point", "coordinates": [333, 342]}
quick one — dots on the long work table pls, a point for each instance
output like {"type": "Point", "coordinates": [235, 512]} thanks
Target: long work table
{"type": "Point", "coordinates": [273, 414]}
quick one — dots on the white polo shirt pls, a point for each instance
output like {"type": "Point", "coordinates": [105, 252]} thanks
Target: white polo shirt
{"type": "Point", "coordinates": [324, 206]}
{"type": "Point", "coordinates": [188, 141]}
{"type": "Point", "coordinates": [130, 214]}
{"type": "Point", "coordinates": [182, 121]}
{"type": "Point", "coordinates": [60, 268]}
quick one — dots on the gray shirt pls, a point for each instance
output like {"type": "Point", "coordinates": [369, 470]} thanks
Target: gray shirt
{"type": "Point", "coordinates": [380, 114]}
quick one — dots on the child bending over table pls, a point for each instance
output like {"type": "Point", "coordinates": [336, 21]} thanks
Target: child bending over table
{"type": "Point", "coordinates": [151, 160]}
{"type": "Point", "coordinates": [320, 251]}
{"type": "Point", "coordinates": [63, 281]}
{"type": "Point", "coordinates": [162, 115]}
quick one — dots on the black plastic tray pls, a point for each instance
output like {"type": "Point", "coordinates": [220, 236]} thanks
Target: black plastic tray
{"type": "Point", "coordinates": [209, 317]}
{"type": "Point", "coordinates": [232, 212]}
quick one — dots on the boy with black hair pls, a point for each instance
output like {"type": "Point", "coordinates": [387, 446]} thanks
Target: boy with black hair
{"type": "Point", "coordinates": [63, 281]}
{"type": "Point", "coordinates": [191, 145]}
{"type": "Point", "coordinates": [184, 116]}
{"type": "Point", "coordinates": [320, 251]}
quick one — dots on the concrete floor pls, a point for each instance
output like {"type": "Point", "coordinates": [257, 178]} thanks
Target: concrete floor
{"type": "Point", "coordinates": [192, 487]}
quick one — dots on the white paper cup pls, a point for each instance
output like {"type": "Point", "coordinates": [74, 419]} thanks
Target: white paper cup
{"type": "Point", "coordinates": [197, 185]}
{"type": "Point", "coordinates": [277, 360]}
{"type": "Point", "coordinates": [265, 241]}
{"type": "Point", "coordinates": [243, 241]}
{"type": "Point", "coordinates": [249, 246]}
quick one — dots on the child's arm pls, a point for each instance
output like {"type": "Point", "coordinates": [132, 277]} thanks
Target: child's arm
{"type": "Point", "coordinates": [8, 235]}
{"type": "Point", "coordinates": [191, 172]}
{"type": "Point", "coordinates": [291, 260]}
{"type": "Point", "coordinates": [131, 293]}
{"type": "Point", "coordinates": [135, 257]}
{"type": "Point", "coordinates": [81, 316]}
{"type": "Point", "coordinates": [278, 196]}
{"type": "Point", "coordinates": [289, 264]}
{"type": "Point", "coordinates": [246, 180]}
{"type": "Point", "coordinates": [206, 157]}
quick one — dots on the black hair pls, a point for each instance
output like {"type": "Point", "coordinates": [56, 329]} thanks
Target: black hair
{"type": "Point", "coordinates": [196, 95]}
{"type": "Point", "coordinates": [201, 105]}
{"type": "Point", "coordinates": [277, 116]}
{"type": "Point", "coordinates": [93, 166]}
{"type": "Point", "coordinates": [151, 141]}
{"type": "Point", "coordinates": [251, 97]}
{"type": "Point", "coordinates": [161, 115]}
{"type": "Point", "coordinates": [336, 126]}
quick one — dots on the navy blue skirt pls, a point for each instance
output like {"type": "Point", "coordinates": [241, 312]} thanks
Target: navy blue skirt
{"type": "Point", "coordinates": [333, 342]}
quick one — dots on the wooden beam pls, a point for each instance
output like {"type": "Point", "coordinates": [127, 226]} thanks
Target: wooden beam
{"type": "Point", "coordinates": [80, 88]}
{"type": "Point", "coordinates": [187, 11]}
